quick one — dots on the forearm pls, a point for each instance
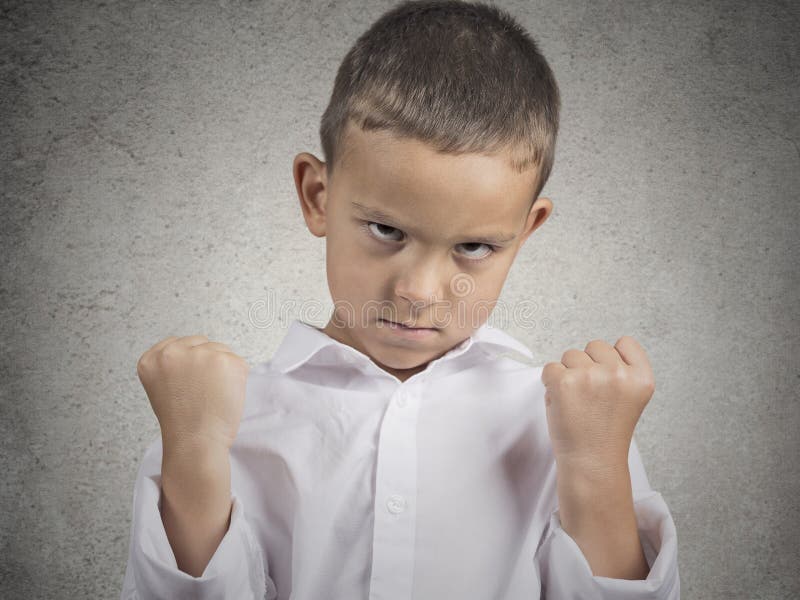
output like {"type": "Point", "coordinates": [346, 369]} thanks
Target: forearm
{"type": "Point", "coordinates": [596, 510]}
{"type": "Point", "coordinates": [196, 504]}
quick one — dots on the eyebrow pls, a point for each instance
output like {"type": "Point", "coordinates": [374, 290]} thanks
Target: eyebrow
{"type": "Point", "coordinates": [385, 218]}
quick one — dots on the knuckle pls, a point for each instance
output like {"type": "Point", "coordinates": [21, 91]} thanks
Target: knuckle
{"type": "Point", "coordinates": [143, 364]}
{"type": "Point", "coordinates": [594, 376]}
{"type": "Point", "coordinates": [568, 353]}
{"type": "Point", "coordinates": [619, 373]}
{"type": "Point", "coordinates": [569, 382]}
{"type": "Point", "coordinates": [219, 360]}
{"type": "Point", "coordinates": [593, 343]}
{"type": "Point", "coordinates": [591, 377]}
{"type": "Point", "coordinates": [170, 353]}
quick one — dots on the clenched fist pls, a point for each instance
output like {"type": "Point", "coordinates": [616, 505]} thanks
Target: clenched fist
{"type": "Point", "coordinates": [594, 399]}
{"type": "Point", "coordinates": [197, 391]}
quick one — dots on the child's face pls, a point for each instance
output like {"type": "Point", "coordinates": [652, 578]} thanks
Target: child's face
{"type": "Point", "coordinates": [420, 261]}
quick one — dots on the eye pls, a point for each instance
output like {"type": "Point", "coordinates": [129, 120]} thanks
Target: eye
{"type": "Point", "coordinates": [381, 230]}
{"type": "Point", "coordinates": [383, 233]}
{"type": "Point", "coordinates": [491, 250]}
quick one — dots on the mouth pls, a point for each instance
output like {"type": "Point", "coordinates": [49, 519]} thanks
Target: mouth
{"type": "Point", "coordinates": [405, 326]}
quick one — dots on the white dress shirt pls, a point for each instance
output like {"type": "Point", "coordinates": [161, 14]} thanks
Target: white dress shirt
{"type": "Point", "coordinates": [348, 484]}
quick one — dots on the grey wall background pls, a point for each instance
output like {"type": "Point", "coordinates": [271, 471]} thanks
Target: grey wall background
{"type": "Point", "coordinates": [147, 191]}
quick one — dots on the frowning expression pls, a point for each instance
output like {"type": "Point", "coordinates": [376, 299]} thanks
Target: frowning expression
{"type": "Point", "coordinates": [414, 237]}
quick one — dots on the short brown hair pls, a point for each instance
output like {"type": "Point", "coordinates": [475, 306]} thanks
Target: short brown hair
{"type": "Point", "coordinates": [461, 76]}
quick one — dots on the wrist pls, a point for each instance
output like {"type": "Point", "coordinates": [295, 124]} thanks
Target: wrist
{"type": "Point", "coordinates": [593, 466]}
{"type": "Point", "coordinates": [193, 445]}
{"type": "Point", "coordinates": [195, 464]}
{"type": "Point", "coordinates": [586, 480]}
{"type": "Point", "coordinates": [197, 484]}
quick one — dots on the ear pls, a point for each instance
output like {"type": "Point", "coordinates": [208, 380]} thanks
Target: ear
{"type": "Point", "coordinates": [311, 182]}
{"type": "Point", "coordinates": [537, 215]}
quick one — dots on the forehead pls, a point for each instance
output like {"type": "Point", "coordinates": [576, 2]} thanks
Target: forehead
{"type": "Point", "coordinates": [455, 194]}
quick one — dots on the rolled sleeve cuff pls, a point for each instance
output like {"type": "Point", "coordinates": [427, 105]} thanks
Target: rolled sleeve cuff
{"type": "Point", "coordinates": [236, 570]}
{"type": "Point", "coordinates": [566, 573]}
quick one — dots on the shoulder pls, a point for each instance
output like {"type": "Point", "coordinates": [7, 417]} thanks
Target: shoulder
{"type": "Point", "coordinates": [514, 369]}
{"type": "Point", "coordinates": [505, 351]}
{"type": "Point", "coordinates": [263, 382]}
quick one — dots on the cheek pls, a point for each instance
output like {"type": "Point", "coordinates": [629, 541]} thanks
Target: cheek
{"type": "Point", "coordinates": [352, 274]}
{"type": "Point", "coordinates": [343, 252]}
{"type": "Point", "coordinates": [350, 246]}
{"type": "Point", "coordinates": [477, 299]}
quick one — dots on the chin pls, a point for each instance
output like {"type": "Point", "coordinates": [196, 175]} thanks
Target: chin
{"type": "Point", "coordinates": [393, 361]}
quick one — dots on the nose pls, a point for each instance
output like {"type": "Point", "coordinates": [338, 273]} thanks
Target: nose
{"type": "Point", "coordinates": [420, 284]}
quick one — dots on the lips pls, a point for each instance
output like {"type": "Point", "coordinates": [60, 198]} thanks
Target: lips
{"type": "Point", "coordinates": [402, 324]}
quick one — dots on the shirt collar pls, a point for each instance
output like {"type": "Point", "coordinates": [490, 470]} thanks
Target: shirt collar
{"type": "Point", "coordinates": [303, 341]}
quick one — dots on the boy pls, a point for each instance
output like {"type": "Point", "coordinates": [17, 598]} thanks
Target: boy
{"type": "Point", "coordinates": [408, 449]}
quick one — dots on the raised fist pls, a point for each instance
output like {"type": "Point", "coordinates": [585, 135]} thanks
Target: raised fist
{"type": "Point", "coordinates": [196, 389]}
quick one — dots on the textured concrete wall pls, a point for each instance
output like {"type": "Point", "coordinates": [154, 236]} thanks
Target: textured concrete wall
{"type": "Point", "coordinates": [147, 191]}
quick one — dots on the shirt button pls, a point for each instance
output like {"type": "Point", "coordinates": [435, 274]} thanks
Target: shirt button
{"type": "Point", "coordinates": [396, 504]}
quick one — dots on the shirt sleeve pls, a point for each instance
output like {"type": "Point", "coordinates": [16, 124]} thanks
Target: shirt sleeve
{"type": "Point", "coordinates": [566, 575]}
{"type": "Point", "coordinates": [236, 570]}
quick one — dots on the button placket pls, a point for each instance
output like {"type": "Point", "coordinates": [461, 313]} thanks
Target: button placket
{"type": "Point", "coordinates": [394, 525]}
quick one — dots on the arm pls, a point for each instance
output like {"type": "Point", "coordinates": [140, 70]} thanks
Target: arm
{"type": "Point", "coordinates": [189, 536]}
{"type": "Point", "coordinates": [196, 503]}
{"type": "Point", "coordinates": [597, 512]}
{"type": "Point", "coordinates": [237, 568]}
{"type": "Point", "coordinates": [593, 400]}
{"type": "Point", "coordinates": [564, 568]}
